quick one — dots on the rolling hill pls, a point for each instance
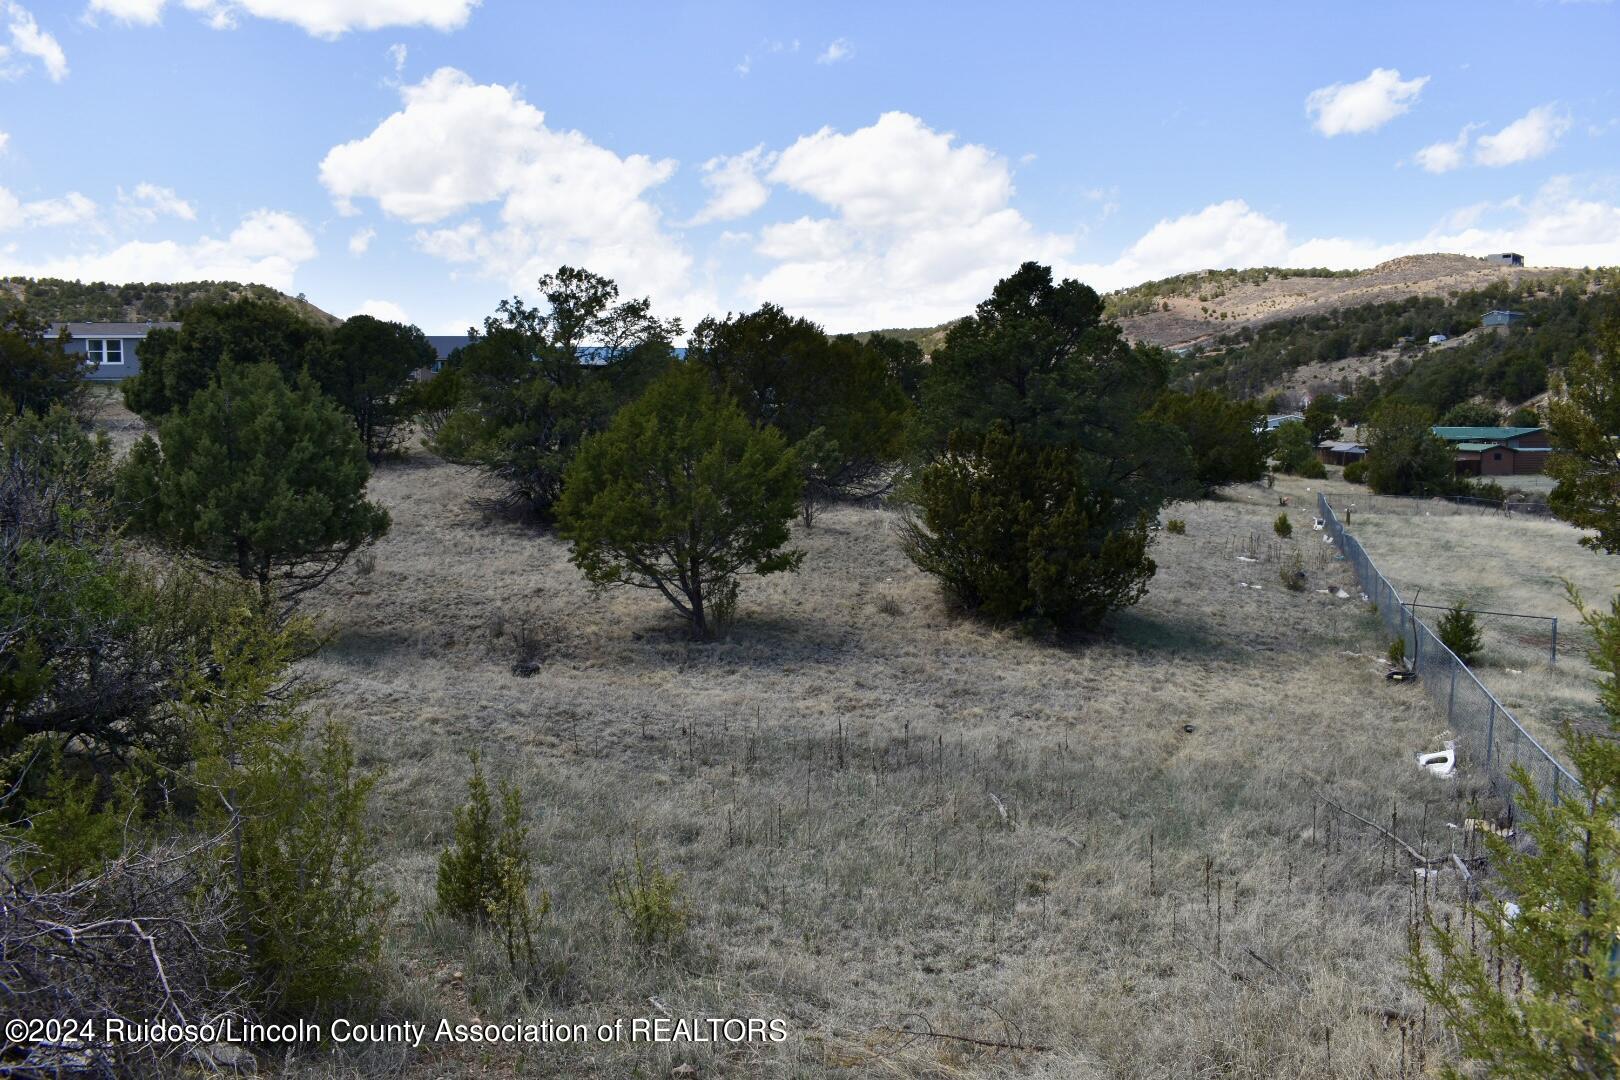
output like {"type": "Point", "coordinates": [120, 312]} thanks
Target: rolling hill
{"type": "Point", "coordinates": [56, 300]}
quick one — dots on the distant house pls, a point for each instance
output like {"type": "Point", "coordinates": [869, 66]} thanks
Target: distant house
{"type": "Point", "coordinates": [443, 346]}
{"type": "Point", "coordinates": [1497, 451]}
{"type": "Point", "coordinates": [1277, 420]}
{"type": "Point", "coordinates": [111, 351]}
{"type": "Point", "coordinates": [1435, 339]}
{"type": "Point", "coordinates": [1503, 318]}
{"type": "Point", "coordinates": [1333, 452]}
{"type": "Point", "coordinates": [1506, 258]}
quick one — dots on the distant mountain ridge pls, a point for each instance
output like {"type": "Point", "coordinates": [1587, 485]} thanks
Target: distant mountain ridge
{"type": "Point", "coordinates": [1190, 309]}
{"type": "Point", "coordinates": [59, 300]}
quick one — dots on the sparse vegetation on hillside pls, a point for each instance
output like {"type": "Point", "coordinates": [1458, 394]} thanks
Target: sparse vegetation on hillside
{"type": "Point", "coordinates": [1206, 285]}
{"type": "Point", "coordinates": [57, 300]}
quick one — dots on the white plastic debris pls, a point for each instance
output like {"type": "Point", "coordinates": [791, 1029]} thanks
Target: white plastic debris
{"type": "Point", "coordinates": [1441, 763]}
{"type": "Point", "coordinates": [1342, 595]}
{"type": "Point", "coordinates": [1245, 558]}
{"type": "Point", "coordinates": [1327, 539]}
{"type": "Point", "coordinates": [1318, 524]}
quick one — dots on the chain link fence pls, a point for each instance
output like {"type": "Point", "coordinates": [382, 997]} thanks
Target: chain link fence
{"type": "Point", "coordinates": [1487, 734]}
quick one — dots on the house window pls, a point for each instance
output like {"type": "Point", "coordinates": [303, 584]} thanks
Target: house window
{"type": "Point", "coordinates": [1497, 456]}
{"type": "Point", "coordinates": [103, 351]}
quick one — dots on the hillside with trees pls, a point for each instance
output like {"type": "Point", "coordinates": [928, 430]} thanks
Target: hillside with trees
{"type": "Point", "coordinates": [58, 300]}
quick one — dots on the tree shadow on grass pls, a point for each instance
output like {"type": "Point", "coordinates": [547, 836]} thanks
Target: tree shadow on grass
{"type": "Point", "coordinates": [1174, 634]}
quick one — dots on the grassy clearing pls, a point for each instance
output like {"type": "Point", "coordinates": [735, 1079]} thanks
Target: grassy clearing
{"type": "Point", "coordinates": [1512, 563]}
{"type": "Point", "coordinates": [881, 812]}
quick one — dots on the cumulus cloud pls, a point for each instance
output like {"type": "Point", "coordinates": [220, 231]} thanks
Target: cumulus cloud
{"type": "Point", "coordinates": [919, 227]}
{"type": "Point", "coordinates": [267, 247]}
{"type": "Point", "coordinates": [383, 309]}
{"type": "Point", "coordinates": [148, 202]}
{"type": "Point", "coordinates": [549, 197]}
{"type": "Point", "coordinates": [28, 40]}
{"type": "Point", "coordinates": [1442, 157]}
{"type": "Point", "coordinates": [320, 18]}
{"type": "Point", "coordinates": [1358, 107]}
{"type": "Point", "coordinates": [398, 54]}
{"type": "Point", "coordinates": [1531, 136]}
{"type": "Point", "coordinates": [734, 185]}
{"type": "Point", "coordinates": [360, 242]}
{"type": "Point", "coordinates": [70, 209]}
{"type": "Point", "coordinates": [836, 51]}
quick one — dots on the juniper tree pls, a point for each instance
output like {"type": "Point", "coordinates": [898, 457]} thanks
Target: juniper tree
{"type": "Point", "coordinates": [683, 495]}
{"type": "Point", "coordinates": [257, 477]}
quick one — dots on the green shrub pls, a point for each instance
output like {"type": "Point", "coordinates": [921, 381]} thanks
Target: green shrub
{"type": "Point", "coordinates": [1176, 527]}
{"type": "Point", "coordinates": [1014, 531]}
{"type": "Point", "coordinates": [1356, 472]}
{"type": "Point", "coordinates": [1459, 632]}
{"type": "Point", "coordinates": [651, 902]}
{"type": "Point", "coordinates": [1282, 526]}
{"type": "Point", "coordinates": [74, 825]}
{"type": "Point", "coordinates": [1292, 572]}
{"type": "Point", "coordinates": [1397, 652]}
{"type": "Point", "coordinates": [299, 860]}
{"type": "Point", "coordinates": [485, 876]}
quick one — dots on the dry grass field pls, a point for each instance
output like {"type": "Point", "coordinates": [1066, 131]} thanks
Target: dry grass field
{"type": "Point", "coordinates": [1113, 852]}
{"type": "Point", "coordinates": [1501, 563]}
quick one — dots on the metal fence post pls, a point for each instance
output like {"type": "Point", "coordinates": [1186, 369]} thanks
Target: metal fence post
{"type": "Point", "coordinates": [1451, 700]}
{"type": "Point", "coordinates": [1556, 772]}
{"type": "Point", "coordinates": [1555, 640]}
{"type": "Point", "coordinates": [1490, 735]}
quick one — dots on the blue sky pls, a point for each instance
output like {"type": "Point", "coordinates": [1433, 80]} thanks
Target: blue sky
{"type": "Point", "coordinates": [875, 164]}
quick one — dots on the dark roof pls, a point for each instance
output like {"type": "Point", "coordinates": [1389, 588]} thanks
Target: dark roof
{"type": "Point", "coordinates": [111, 329]}
{"type": "Point", "coordinates": [445, 344]}
{"type": "Point", "coordinates": [1483, 434]}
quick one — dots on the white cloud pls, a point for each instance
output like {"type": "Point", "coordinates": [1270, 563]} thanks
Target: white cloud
{"type": "Point", "coordinates": [838, 50]}
{"type": "Point", "coordinates": [735, 186]}
{"type": "Point", "coordinates": [29, 40]}
{"type": "Point", "coordinates": [1221, 235]}
{"type": "Point", "coordinates": [136, 11]}
{"type": "Point", "coordinates": [383, 309]}
{"type": "Point", "coordinates": [320, 18]}
{"type": "Point", "coordinates": [398, 53]}
{"type": "Point", "coordinates": [70, 209]}
{"type": "Point", "coordinates": [1354, 108]}
{"type": "Point", "coordinates": [1531, 136]}
{"type": "Point", "coordinates": [360, 242]}
{"type": "Point", "coordinates": [148, 202]}
{"type": "Point", "coordinates": [745, 65]}
{"type": "Point", "coordinates": [1442, 157]}
{"type": "Point", "coordinates": [267, 247]}
{"type": "Point", "coordinates": [556, 197]}
{"type": "Point", "coordinates": [920, 227]}
{"type": "Point", "coordinates": [4, 138]}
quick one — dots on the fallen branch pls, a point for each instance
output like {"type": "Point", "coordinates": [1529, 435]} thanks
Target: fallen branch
{"type": "Point", "coordinates": [992, 1043]}
{"type": "Point", "coordinates": [1417, 856]}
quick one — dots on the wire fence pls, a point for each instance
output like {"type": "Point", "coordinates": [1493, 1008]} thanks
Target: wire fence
{"type": "Point", "coordinates": [1443, 505]}
{"type": "Point", "coordinates": [1487, 733]}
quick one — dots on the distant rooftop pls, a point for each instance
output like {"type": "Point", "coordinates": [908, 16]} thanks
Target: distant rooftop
{"type": "Point", "coordinates": [110, 329]}
{"type": "Point", "coordinates": [1482, 434]}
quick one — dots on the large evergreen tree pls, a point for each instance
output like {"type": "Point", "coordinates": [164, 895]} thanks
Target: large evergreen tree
{"type": "Point", "coordinates": [367, 370]}
{"type": "Point", "coordinates": [36, 372]}
{"type": "Point", "coordinates": [175, 364]}
{"type": "Point", "coordinates": [682, 494]}
{"type": "Point", "coordinates": [257, 476]}
{"type": "Point", "coordinates": [787, 373]}
{"type": "Point", "coordinates": [1039, 358]}
{"type": "Point", "coordinates": [1015, 531]}
{"type": "Point", "coordinates": [535, 383]}
{"type": "Point", "coordinates": [1557, 1013]}
{"type": "Point", "coordinates": [1583, 421]}
{"type": "Point", "coordinates": [1226, 438]}
{"type": "Point", "coordinates": [1404, 455]}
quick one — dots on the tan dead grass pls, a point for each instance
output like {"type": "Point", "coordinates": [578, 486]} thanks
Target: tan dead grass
{"type": "Point", "coordinates": [822, 781]}
{"type": "Point", "coordinates": [1502, 563]}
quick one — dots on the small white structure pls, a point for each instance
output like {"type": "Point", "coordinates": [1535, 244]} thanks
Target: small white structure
{"type": "Point", "coordinates": [1441, 763]}
{"type": "Point", "coordinates": [1435, 339]}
